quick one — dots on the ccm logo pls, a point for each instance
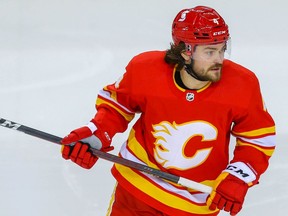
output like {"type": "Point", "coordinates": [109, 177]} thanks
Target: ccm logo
{"type": "Point", "coordinates": [10, 124]}
{"type": "Point", "coordinates": [237, 170]}
{"type": "Point", "coordinates": [219, 33]}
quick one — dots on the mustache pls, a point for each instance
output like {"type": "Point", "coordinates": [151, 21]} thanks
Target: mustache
{"type": "Point", "coordinates": [215, 66]}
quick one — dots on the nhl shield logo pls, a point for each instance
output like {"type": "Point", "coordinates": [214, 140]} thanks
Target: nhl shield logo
{"type": "Point", "coordinates": [189, 96]}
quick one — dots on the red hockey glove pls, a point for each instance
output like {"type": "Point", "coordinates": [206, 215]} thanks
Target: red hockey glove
{"type": "Point", "coordinates": [230, 188]}
{"type": "Point", "coordinates": [77, 144]}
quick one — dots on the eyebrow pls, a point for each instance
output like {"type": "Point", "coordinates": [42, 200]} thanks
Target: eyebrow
{"type": "Point", "coordinates": [213, 48]}
{"type": "Point", "coordinates": [210, 48]}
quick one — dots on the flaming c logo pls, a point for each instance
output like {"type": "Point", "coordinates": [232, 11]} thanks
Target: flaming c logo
{"type": "Point", "coordinates": [171, 140]}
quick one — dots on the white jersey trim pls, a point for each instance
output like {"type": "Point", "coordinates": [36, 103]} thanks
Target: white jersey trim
{"type": "Point", "coordinates": [197, 197]}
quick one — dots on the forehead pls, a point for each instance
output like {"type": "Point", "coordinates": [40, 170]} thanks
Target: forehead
{"type": "Point", "coordinates": [212, 46]}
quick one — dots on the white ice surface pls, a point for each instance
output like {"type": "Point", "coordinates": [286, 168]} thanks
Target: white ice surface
{"type": "Point", "coordinates": [54, 57]}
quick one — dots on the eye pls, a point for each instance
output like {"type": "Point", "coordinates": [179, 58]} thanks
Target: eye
{"type": "Point", "coordinates": [210, 53]}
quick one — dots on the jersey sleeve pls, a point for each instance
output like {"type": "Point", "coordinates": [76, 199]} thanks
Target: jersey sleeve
{"type": "Point", "coordinates": [254, 130]}
{"type": "Point", "coordinates": [115, 106]}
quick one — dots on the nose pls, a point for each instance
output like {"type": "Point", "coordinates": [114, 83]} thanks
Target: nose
{"type": "Point", "coordinates": [219, 58]}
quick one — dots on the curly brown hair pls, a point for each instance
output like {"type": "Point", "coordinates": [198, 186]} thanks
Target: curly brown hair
{"type": "Point", "coordinates": [173, 55]}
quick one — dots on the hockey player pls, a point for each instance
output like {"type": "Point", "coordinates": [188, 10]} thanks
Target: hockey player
{"type": "Point", "coordinates": [190, 99]}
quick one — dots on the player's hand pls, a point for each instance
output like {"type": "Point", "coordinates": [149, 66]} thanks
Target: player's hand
{"type": "Point", "coordinates": [228, 194]}
{"type": "Point", "coordinates": [77, 144]}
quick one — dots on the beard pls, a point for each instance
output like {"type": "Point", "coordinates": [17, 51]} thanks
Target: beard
{"type": "Point", "coordinates": [212, 74]}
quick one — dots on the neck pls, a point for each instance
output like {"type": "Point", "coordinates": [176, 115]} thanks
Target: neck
{"type": "Point", "coordinates": [190, 82]}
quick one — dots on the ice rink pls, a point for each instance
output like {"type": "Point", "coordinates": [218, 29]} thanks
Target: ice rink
{"type": "Point", "coordinates": [56, 54]}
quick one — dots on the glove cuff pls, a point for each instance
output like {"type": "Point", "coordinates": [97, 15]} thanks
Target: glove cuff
{"type": "Point", "coordinates": [92, 127]}
{"type": "Point", "coordinates": [104, 137]}
{"type": "Point", "coordinates": [242, 171]}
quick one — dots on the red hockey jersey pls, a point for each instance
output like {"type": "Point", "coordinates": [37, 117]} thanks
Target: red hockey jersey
{"type": "Point", "coordinates": [184, 132]}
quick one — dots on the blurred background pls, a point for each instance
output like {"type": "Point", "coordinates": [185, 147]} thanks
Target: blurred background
{"type": "Point", "coordinates": [56, 55]}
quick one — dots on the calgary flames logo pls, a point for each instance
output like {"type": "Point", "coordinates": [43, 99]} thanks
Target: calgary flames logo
{"type": "Point", "coordinates": [171, 140]}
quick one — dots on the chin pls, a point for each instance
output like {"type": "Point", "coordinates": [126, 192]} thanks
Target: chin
{"type": "Point", "coordinates": [215, 79]}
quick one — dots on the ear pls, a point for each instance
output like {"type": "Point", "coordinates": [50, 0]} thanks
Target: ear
{"type": "Point", "coordinates": [185, 55]}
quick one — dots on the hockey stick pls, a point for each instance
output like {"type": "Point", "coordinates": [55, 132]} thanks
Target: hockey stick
{"type": "Point", "coordinates": [110, 157]}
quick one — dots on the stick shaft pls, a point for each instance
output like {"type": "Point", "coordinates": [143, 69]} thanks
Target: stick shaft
{"type": "Point", "coordinates": [110, 157]}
